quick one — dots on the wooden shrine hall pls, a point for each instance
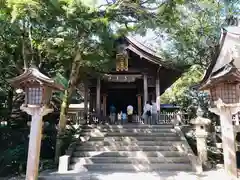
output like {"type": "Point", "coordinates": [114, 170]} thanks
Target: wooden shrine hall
{"type": "Point", "coordinates": [139, 75]}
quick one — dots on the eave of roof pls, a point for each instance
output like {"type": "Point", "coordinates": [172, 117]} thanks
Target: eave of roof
{"type": "Point", "coordinates": [212, 70]}
{"type": "Point", "coordinates": [148, 53]}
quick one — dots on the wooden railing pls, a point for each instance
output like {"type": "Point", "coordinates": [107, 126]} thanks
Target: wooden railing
{"type": "Point", "coordinates": [162, 118]}
{"type": "Point", "coordinates": [76, 117]}
{"type": "Point", "coordinates": [170, 118]}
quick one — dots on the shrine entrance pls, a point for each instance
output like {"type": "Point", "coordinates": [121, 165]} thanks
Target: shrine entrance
{"type": "Point", "coordinates": [136, 78]}
{"type": "Point", "coordinates": [121, 98]}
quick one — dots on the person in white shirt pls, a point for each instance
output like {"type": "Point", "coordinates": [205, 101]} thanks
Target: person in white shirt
{"type": "Point", "coordinates": [147, 113]}
{"type": "Point", "coordinates": [154, 112]}
{"type": "Point", "coordinates": [130, 112]}
{"type": "Point", "coordinates": [120, 117]}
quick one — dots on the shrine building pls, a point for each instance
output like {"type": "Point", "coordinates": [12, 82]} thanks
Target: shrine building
{"type": "Point", "coordinates": [139, 75]}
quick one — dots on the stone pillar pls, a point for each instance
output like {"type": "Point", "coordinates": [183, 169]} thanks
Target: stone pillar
{"type": "Point", "coordinates": [158, 92]}
{"type": "Point", "coordinates": [105, 104]}
{"type": "Point", "coordinates": [35, 138]}
{"type": "Point", "coordinates": [145, 89]}
{"type": "Point", "coordinates": [85, 98]}
{"type": "Point", "coordinates": [139, 101]}
{"type": "Point", "coordinates": [98, 96]}
{"type": "Point", "coordinates": [225, 112]}
{"type": "Point", "coordinates": [201, 135]}
{"type": "Point", "coordinates": [202, 147]}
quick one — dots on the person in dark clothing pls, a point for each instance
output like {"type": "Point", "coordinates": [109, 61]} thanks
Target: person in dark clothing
{"type": "Point", "coordinates": [112, 114]}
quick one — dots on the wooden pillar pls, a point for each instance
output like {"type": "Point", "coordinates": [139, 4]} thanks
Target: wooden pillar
{"type": "Point", "coordinates": [228, 136]}
{"type": "Point", "coordinates": [145, 88]}
{"type": "Point", "coordinates": [228, 142]}
{"type": "Point", "coordinates": [90, 102]}
{"type": "Point", "coordinates": [35, 138]}
{"type": "Point", "coordinates": [94, 102]}
{"type": "Point", "coordinates": [85, 98]}
{"type": "Point", "coordinates": [139, 101]}
{"type": "Point", "coordinates": [158, 92]}
{"type": "Point", "coordinates": [104, 104]}
{"type": "Point", "coordinates": [98, 94]}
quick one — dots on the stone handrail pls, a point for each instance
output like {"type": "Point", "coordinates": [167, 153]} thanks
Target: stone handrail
{"type": "Point", "coordinates": [185, 147]}
{"type": "Point", "coordinates": [64, 160]}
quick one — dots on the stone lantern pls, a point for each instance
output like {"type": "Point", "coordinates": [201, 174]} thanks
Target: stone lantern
{"type": "Point", "coordinates": [222, 82]}
{"type": "Point", "coordinates": [38, 91]}
{"type": "Point", "coordinates": [201, 134]}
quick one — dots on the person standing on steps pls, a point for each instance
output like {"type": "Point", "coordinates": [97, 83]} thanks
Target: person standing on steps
{"type": "Point", "coordinates": [119, 117]}
{"type": "Point", "coordinates": [124, 117]}
{"type": "Point", "coordinates": [112, 114]}
{"type": "Point", "coordinates": [130, 113]}
{"type": "Point", "coordinates": [147, 113]}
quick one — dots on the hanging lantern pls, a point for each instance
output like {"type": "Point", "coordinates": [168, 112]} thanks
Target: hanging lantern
{"type": "Point", "coordinates": [227, 92]}
{"type": "Point", "coordinates": [225, 88]}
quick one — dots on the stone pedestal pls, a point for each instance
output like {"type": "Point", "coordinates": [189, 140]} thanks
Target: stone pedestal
{"type": "Point", "coordinates": [201, 135]}
{"type": "Point", "coordinates": [202, 147]}
{"type": "Point", "coordinates": [225, 111]}
{"type": "Point", "coordinates": [34, 139]}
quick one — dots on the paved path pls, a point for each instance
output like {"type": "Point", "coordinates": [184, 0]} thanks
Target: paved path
{"type": "Point", "coordinates": [211, 175]}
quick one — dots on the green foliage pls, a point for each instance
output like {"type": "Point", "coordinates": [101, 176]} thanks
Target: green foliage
{"type": "Point", "coordinates": [50, 34]}
{"type": "Point", "coordinates": [182, 94]}
{"type": "Point", "coordinates": [193, 40]}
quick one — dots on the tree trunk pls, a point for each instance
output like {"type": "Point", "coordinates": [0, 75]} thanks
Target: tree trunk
{"type": "Point", "coordinates": [74, 76]}
{"type": "Point", "coordinates": [10, 102]}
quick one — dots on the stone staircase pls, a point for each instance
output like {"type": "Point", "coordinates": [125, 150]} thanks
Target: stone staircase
{"type": "Point", "coordinates": [129, 148]}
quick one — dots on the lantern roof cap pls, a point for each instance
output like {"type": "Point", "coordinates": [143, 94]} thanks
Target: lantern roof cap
{"type": "Point", "coordinates": [200, 121]}
{"type": "Point", "coordinates": [32, 74]}
{"type": "Point", "coordinates": [227, 62]}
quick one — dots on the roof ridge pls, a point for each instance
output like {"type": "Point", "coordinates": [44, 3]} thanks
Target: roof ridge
{"type": "Point", "coordinates": [130, 38]}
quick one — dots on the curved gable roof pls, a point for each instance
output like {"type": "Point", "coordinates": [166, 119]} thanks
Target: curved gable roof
{"type": "Point", "coordinates": [229, 47]}
{"type": "Point", "coordinates": [149, 54]}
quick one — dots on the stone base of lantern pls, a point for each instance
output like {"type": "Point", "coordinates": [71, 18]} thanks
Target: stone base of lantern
{"type": "Point", "coordinates": [202, 148]}
{"type": "Point", "coordinates": [34, 139]}
{"type": "Point", "coordinates": [225, 111]}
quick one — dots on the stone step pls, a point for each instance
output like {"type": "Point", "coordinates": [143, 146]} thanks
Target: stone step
{"type": "Point", "coordinates": [141, 154]}
{"type": "Point", "coordinates": [105, 160]}
{"type": "Point", "coordinates": [125, 148]}
{"type": "Point", "coordinates": [119, 130]}
{"type": "Point", "coordinates": [132, 134]}
{"type": "Point", "coordinates": [134, 167]}
{"type": "Point", "coordinates": [128, 126]}
{"type": "Point", "coordinates": [135, 139]}
{"type": "Point", "coordinates": [127, 143]}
